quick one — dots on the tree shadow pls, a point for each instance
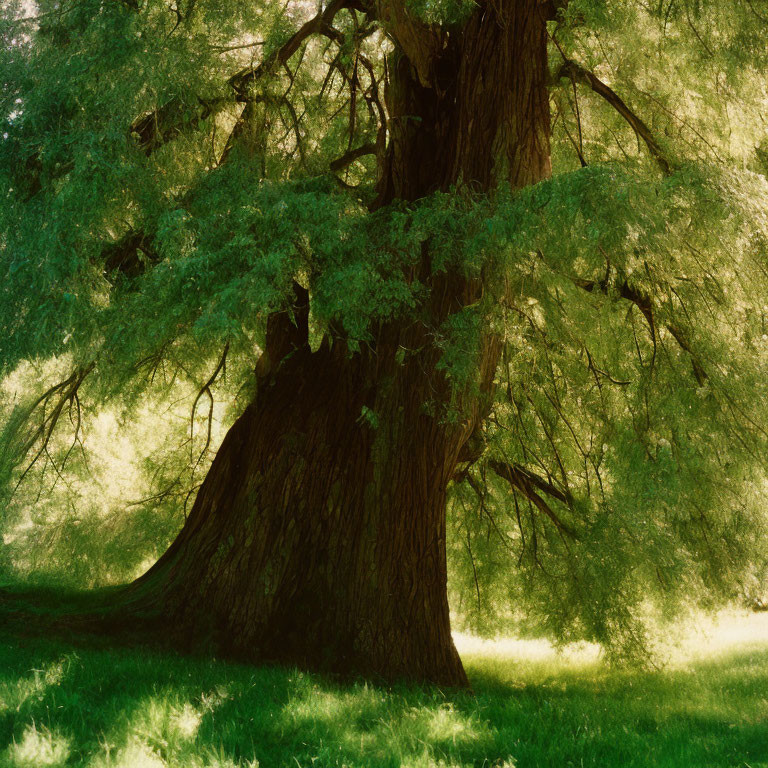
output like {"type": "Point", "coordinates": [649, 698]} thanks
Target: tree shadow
{"type": "Point", "coordinates": [69, 700]}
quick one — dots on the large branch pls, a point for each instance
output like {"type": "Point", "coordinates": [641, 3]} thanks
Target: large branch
{"type": "Point", "coordinates": [167, 122]}
{"type": "Point", "coordinates": [242, 79]}
{"type": "Point", "coordinates": [354, 154]}
{"type": "Point", "coordinates": [579, 74]}
{"type": "Point", "coordinates": [319, 25]}
{"type": "Point", "coordinates": [129, 256]}
{"type": "Point", "coordinates": [420, 42]}
{"type": "Point", "coordinates": [173, 118]}
{"type": "Point", "coordinates": [527, 483]}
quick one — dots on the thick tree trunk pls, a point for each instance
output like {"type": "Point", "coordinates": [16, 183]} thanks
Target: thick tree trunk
{"type": "Point", "coordinates": [318, 537]}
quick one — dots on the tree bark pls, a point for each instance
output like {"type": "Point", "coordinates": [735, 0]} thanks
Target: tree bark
{"type": "Point", "coordinates": [318, 536]}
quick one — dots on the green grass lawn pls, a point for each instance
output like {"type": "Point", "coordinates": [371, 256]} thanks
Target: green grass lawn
{"type": "Point", "coordinates": [75, 704]}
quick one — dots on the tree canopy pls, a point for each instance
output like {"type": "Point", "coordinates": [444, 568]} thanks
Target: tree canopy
{"type": "Point", "coordinates": [170, 171]}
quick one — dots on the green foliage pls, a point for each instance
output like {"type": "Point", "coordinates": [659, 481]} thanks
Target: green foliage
{"type": "Point", "coordinates": [100, 504]}
{"type": "Point", "coordinates": [631, 306]}
{"type": "Point", "coordinates": [645, 430]}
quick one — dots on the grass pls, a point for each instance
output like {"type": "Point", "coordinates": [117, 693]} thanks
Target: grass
{"type": "Point", "coordinates": [76, 704]}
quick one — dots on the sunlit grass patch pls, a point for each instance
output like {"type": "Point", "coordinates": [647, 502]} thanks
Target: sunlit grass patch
{"type": "Point", "coordinates": [37, 748]}
{"type": "Point", "coordinates": [65, 705]}
{"type": "Point", "coordinates": [14, 692]}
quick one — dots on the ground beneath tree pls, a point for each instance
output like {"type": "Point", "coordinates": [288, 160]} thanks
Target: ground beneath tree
{"type": "Point", "coordinates": [77, 701]}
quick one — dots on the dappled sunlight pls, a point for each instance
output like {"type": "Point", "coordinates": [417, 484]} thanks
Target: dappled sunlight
{"type": "Point", "coordinates": [700, 638]}
{"type": "Point", "coordinates": [310, 703]}
{"type": "Point", "coordinates": [532, 704]}
{"type": "Point", "coordinates": [373, 723]}
{"type": "Point", "coordinates": [425, 760]}
{"type": "Point", "coordinates": [135, 754]}
{"type": "Point", "coordinates": [38, 748]}
{"type": "Point", "coordinates": [186, 721]}
{"type": "Point", "coordinates": [446, 724]}
{"type": "Point", "coordinates": [527, 651]}
{"type": "Point", "coordinates": [161, 728]}
{"type": "Point", "coordinates": [15, 693]}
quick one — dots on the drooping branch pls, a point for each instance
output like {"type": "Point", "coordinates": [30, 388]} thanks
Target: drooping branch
{"type": "Point", "coordinates": [528, 483]}
{"type": "Point", "coordinates": [371, 95]}
{"type": "Point", "coordinates": [679, 336]}
{"type": "Point", "coordinates": [206, 390]}
{"type": "Point", "coordinates": [57, 398]}
{"type": "Point", "coordinates": [645, 304]}
{"type": "Point", "coordinates": [321, 24]}
{"type": "Point", "coordinates": [241, 80]}
{"type": "Point", "coordinates": [642, 302]}
{"type": "Point", "coordinates": [169, 121]}
{"type": "Point", "coordinates": [354, 154]}
{"type": "Point", "coordinates": [173, 118]}
{"type": "Point", "coordinates": [576, 73]}
{"type": "Point", "coordinates": [481, 494]}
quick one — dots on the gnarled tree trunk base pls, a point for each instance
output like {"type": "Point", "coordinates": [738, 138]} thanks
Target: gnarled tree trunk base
{"type": "Point", "coordinates": [318, 536]}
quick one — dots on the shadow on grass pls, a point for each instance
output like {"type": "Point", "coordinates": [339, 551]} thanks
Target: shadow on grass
{"type": "Point", "coordinates": [68, 701]}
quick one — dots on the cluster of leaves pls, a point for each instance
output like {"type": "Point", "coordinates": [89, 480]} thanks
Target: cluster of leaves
{"type": "Point", "coordinates": [111, 488]}
{"type": "Point", "coordinates": [633, 390]}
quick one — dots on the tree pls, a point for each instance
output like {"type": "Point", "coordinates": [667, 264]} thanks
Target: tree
{"type": "Point", "coordinates": [353, 203]}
